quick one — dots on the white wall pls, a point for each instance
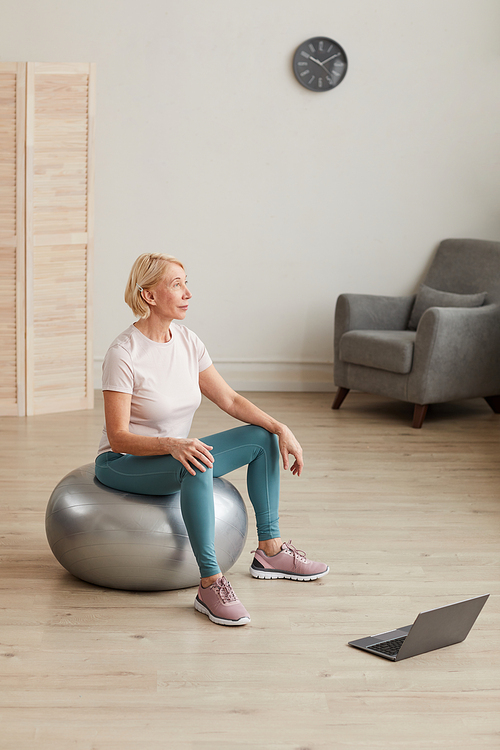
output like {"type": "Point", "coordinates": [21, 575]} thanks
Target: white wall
{"type": "Point", "coordinates": [276, 198]}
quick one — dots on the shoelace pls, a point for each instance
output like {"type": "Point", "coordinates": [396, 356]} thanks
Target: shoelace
{"type": "Point", "coordinates": [297, 553]}
{"type": "Point", "coordinates": [225, 590]}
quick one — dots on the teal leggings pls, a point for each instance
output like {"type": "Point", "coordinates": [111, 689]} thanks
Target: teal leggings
{"type": "Point", "coordinates": [164, 475]}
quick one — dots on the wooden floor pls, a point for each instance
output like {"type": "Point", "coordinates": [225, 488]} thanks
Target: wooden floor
{"type": "Point", "coordinates": [407, 519]}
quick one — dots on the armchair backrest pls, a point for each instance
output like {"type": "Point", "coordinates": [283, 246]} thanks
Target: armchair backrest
{"type": "Point", "coordinates": [466, 267]}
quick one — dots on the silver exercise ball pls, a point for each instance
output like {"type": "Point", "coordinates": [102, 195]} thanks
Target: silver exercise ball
{"type": "Point", "coordinates": [136, 542]}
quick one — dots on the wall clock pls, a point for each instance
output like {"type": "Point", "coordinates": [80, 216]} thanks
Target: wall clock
{"type": "Point", "coordinates": [320, 64]}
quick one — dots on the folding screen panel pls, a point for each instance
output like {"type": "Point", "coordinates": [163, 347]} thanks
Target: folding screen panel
{"type": "Point", "coordinates": [12, 133]}
{"type": "Point", "coordinates": [59, 236]}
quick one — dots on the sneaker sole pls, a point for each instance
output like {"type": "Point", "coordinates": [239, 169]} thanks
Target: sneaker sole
{"type": "Point", "coordinates": [218, 620]}
{"type": "Point", "coordinates": [272, 574]}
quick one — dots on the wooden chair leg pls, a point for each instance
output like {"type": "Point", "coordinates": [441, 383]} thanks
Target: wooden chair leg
{"type": "Point", "coordinates": [339, 397]}
{"type": "Point", "coordinates": [493, 402]}
{"type": "Point", "coordinates": [419, 413]}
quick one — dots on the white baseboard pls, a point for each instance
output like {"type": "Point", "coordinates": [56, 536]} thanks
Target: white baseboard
{"type": "Point", "coordinates": [277, 376]}
{"type": "Point", "coordinates": [266, 376]}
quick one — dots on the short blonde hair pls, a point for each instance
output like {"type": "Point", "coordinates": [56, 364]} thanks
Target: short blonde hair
{"type": "Point", "coordinates": [147, 272]}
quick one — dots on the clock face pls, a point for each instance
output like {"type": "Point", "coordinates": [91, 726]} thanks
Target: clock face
{"type": "Point", "coordinates": [320, 64]}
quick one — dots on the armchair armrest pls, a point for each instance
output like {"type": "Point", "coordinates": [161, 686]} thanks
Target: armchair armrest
{"type": "Point", "coordinates": [371, 312]}
{"type": "Point", "coordinates": [457, 354]}
{"type": "Point", "coordinates": [366, 312]}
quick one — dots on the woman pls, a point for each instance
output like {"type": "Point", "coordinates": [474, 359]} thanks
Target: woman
{"type": "Point", "coordinates": [153, 376]}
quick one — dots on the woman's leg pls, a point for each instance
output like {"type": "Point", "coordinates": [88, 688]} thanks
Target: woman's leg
{"type": "Point", "coordinates": [258, 448]}
{"type": "Point", "coordinates": [164, 475]}
{"type": "Point", "coordinates": [161, 475]}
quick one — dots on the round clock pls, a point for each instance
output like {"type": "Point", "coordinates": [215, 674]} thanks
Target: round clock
{"type": "Point", "coordinates": [320, 64]}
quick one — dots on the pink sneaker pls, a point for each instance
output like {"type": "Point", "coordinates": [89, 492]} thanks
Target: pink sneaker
{"type": "Point", "coordinates": [220, 604]}
{"type": "Point", "coordinates": [290, 563]}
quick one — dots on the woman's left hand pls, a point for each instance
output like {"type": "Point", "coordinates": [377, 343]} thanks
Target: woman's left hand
{"type": "Point", "coordinates": [290, 446]}
{"type": "Point", "coordinates": [214, 387]}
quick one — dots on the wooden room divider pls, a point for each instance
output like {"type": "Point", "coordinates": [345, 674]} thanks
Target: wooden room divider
{"type": "Point", "coordinates": [47, 120]}
{"type": "Point", "coordinates": [12, 246]}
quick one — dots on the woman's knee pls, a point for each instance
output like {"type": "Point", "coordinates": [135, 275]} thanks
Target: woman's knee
{"type": "Point", "coordinates": [267, 440]}
{"type": "Point", "coordinates": [199, 478]}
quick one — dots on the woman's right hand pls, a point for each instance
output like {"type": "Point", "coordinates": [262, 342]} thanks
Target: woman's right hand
{"type": "Point", "coordinates": [189, 451]}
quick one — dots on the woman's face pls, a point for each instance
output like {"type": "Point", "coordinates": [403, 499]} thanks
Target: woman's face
{"type": "Point", "coordinates": [170, 297]}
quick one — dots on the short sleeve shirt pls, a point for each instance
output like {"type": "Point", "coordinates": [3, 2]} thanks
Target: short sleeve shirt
{"type": "Point", "coordinates": [162, 378]}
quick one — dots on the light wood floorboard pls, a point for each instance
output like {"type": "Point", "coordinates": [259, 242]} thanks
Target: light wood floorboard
{"type": "Point", "coordinates": [407, 519]}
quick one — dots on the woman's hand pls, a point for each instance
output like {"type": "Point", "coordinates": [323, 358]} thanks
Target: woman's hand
{"type": "Point", "coordinates": [289, 445]}
{"type": "Point", "coordinates": [189, 451]}
{"type": "Point", "coordinates": [214, 387]}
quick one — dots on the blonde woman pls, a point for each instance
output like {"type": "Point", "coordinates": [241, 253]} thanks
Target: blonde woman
{"type": "Point", "coordinates": [153, 376]}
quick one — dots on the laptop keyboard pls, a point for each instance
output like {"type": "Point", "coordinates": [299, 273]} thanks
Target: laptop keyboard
{"type": "Point", "coordinates": [390, 648]}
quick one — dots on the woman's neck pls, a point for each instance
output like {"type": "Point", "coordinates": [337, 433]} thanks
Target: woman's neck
{"type": "Point", "coordinates": [155, 329]}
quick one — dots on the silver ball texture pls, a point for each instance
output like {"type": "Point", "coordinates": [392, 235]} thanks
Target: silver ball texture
{"type": "Point", "coordinates": [135, 542]}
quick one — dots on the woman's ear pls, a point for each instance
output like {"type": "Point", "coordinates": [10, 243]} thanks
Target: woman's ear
{"type": "Point", "coordinates": [148, 296]}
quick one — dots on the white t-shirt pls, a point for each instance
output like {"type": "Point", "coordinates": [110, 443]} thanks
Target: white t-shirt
{"type": "Point", "coordinates": [161, 378]}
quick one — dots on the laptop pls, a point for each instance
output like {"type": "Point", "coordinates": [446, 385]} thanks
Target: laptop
{"type": "Point", "coordinates": [435, 628]}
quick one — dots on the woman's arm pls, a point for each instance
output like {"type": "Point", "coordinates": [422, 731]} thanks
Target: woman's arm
{"type": "Point", "coordinates": [121, 440]}
{"type": "Point", "coordinates": [215, 388]}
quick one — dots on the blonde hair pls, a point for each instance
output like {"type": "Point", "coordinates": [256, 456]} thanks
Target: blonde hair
{"type": "Point", "coordinates": [147, 272]}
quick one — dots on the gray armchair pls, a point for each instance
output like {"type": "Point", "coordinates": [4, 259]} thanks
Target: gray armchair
{"type": "Point", "coordinates": [454, 353]}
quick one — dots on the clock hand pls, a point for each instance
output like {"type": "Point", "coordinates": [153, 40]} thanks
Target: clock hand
{"type": "Point", "coordinates": [318, 62]}
{"type": "Point", "coordinates": [315, 61]}
{"type": "Point", "coordinates": [331, 58]}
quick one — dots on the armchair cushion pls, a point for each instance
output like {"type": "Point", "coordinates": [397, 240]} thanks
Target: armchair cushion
{"type": "Point", "coordinates": [428, 297]}
{"type": "Point", "coordinates": [384, 350]}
